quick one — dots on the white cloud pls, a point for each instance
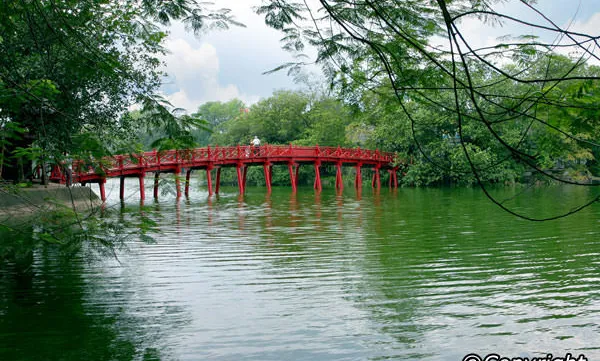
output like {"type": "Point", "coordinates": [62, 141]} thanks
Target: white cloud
{"type": "Point", "coordinates": [184, 60]}
{"type": "Point", "coordinates": [194, 76]}
{"type": "Point", "coordinates": [590, 27]}
{"type": "Point", "coordinates": [222, 65]}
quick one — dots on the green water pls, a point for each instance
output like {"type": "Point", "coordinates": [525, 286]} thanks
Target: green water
{"type": "Point", "coordinates": [423, 274]}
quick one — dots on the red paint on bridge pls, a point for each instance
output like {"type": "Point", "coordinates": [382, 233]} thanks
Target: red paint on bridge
{"type": "Point", "coordinates": [240, 157]}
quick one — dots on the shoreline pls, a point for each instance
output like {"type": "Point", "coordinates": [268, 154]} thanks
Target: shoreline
{"type": "Point", "coordinates": [20, 204]}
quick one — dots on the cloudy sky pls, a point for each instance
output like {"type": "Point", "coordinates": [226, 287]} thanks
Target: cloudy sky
{"type": "Point", "coordinates": [222, 65]}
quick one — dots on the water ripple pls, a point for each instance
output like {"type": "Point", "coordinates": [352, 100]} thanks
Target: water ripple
{"type": "Point", "coordinates": [413, 274]}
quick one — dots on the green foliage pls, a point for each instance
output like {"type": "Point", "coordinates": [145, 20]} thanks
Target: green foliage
{"type": "Point", "coordinates": [288, 117]}
{"type": "Point", "coordinates": [10, 132]}
{"type": "Point", "coordinates": [328, 119]}
{"type": "Point", "coordinates": [74, 67]}
{"type": "Point", "coordinates": [475, 115]}
{"type": "Point", "coordinates": [216, 114]}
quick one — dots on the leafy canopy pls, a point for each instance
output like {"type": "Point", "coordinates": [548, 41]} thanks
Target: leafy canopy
{"type": "Point", "coordinates": [75, 66]}
{"type": "Point", "coordinates": [502, 97]}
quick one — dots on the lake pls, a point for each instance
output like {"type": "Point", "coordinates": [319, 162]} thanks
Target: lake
{"type": "Point", "coordinates": [407, 274]}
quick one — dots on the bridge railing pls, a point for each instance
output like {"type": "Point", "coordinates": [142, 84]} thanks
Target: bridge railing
{"type": "Point", "coordinates": [219, 153]}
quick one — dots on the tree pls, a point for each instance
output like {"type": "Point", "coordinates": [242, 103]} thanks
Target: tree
{"type": "Point", "coordinates": [328, 119]}
{"type": "Point", "coordinates": [215, 114]}
{"type": "Point", "coordinates": [278, 119]}
{"type": "Point", "coordinates": [71, 66]}
{"type": "Point", "coordinates": [286, 117]}
{"type": "Point", "coordinates": [373, 44]}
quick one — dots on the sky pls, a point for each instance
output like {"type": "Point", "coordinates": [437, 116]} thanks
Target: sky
{"type": "Point", "coordinates": [223, 65]}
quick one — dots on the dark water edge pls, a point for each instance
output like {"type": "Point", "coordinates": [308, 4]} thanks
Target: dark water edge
{"type": "Point", "coordinates": [428, 274]}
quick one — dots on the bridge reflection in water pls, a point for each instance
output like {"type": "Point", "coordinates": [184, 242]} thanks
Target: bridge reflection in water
{"type": "Point", "coordinates": [240, 157]}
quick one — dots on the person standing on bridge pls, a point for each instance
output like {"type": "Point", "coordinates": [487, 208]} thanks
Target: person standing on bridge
{"type": "Point", "coordinates": [256, 144]}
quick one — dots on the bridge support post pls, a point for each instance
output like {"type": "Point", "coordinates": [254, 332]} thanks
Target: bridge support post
{"type": "Point", "coordinates": [122, 188]}
{"type": "Point", "coordinates": [339, 182]}
{"type": "Point", "coordinates": [156, 178]}
{"type": "Point", "coordinates": [209, 181]}
{"type": "Point", "coordinates": [376, 181]}
{"type": "Point", "coordinates": [293, 176]}
{"type": "Point", "coordinates": [178, 181]}
{"type": "Point", "coordinates": [267, 171]}
{"type": "Point", "coordinates": [317, 184]}
{"type": "Point", "coordinates": [358, 178]}
{"type": "Point", "coordinates": [218, 182]}
{"type": "Point", "coordinates": [102, 189]}
{"type": "Point", "coordinates": [244, 177]}
{"type": "Point", "coordinates": [240, 178]}
{"type": "Point", "coordinates": [142, 189]}
{"type": "Point", "coordinates": [393, 182]}
{"type": "Point", "coordinates": [186, 191]}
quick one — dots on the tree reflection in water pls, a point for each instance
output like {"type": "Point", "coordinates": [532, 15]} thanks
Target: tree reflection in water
{"type": "Point", "coordinates": [58, 308]}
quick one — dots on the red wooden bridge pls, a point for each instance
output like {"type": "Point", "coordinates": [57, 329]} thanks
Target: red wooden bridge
{"type": "Point", "coordinates": [240, 157]}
